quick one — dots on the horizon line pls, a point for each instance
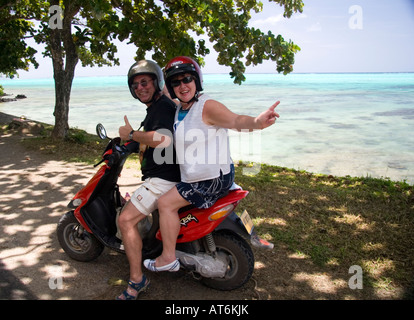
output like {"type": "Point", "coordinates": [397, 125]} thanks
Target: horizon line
{"type": "Point", "coordinates": [226, 73]}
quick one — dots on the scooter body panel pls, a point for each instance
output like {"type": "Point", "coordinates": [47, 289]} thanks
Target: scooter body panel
{"type": "Point", "coordinates": [197, 223]}
{"type": "Point", "coordinates": [85, 193]}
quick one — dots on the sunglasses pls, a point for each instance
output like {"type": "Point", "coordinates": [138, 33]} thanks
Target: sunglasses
{"type": "Point", "coordinates": [143, 84]}
{"type": "Point", "coordinates": [185, 80]}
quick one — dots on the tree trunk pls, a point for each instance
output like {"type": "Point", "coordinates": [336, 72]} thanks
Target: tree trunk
{"type": "Point", "coordinates": [63, 86]}
{"type": "Point", "coordinates": [62, 46]}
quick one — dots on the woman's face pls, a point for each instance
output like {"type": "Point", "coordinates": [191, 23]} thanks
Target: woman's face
{"type": "Point", "coordinates": [184, 87]}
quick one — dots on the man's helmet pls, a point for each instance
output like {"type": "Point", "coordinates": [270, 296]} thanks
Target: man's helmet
{"type": "Point", "coordinates": [146, 67]}
{"type": "Point", "coordinates": [181, 65]}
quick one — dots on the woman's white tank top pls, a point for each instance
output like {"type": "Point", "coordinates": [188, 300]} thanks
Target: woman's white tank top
{"type": "Point", "coordinates": [202, 150]}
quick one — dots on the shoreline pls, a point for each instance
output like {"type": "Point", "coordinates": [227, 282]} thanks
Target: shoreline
{"type": "Point", "coordinates": [6, 118]}
{"type": "Point", "coordinates": [223, 73]}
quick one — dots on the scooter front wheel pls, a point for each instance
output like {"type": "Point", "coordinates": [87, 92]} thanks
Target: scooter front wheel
{"type": "Point", "coordinates": [78, 244]}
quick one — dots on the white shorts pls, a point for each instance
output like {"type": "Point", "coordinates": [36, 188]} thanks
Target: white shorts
{"type": "Point", "coordinates": [145, 198]}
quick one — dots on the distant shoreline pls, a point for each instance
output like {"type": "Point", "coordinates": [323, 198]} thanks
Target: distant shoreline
{"type": "Point", "coordinates": [8, 118]}
{"type": "Point", "coordinates": [223, 73]}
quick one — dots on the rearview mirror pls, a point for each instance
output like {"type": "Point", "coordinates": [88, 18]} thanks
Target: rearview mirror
{"type": "Point", "coordinates": [101, 131]}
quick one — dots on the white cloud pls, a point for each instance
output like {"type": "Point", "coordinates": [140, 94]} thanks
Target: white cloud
{"type": "Point", "coordinates": [316, 27]}
{"type": "Point", "coordinates": [273, 20]}
{"type": "Point", "coordinates": [270, 20]}
{"type": "Point", "coordinates": [299, 16]}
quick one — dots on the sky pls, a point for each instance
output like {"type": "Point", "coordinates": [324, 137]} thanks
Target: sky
{"type": "Point", "coordinates": [334, 36]}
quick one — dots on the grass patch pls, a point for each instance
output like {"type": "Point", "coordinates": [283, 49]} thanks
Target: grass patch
{"type": "Point", "coordinates": [336, 221]}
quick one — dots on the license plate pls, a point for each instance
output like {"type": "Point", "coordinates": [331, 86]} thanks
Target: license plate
{"type": "Point", "coordinates": [247, 221]}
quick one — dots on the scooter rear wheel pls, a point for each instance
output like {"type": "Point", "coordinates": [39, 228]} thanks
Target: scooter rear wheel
{"type": "Point", "coordinates": [78, 244]}
{"type": "Point", "coordinates": [240, 262]}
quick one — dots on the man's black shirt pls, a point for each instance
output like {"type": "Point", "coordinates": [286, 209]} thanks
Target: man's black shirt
{"type": "Point", "coordinates": [160, 115]}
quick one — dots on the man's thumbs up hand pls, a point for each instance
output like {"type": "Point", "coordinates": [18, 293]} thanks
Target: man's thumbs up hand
{"type": "Point", "coordinates": [125, 130]}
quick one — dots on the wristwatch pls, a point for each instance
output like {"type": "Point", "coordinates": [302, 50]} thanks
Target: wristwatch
{"type": "Point", "coordinates": [131, 134]}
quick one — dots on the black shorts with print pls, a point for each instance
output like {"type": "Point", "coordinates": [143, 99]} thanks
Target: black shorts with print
{"type": "Point", "coordinates": [203, 194]}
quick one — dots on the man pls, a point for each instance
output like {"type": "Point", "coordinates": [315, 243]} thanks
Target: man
{"type": "Point", "coordinates": [146, 83]}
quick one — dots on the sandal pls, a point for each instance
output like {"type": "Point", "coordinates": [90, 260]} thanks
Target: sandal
{"type": "Point", "coordinates": [138, 287]}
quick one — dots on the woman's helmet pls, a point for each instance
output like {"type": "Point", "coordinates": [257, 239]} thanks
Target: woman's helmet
{"type": "Point", "coordinates": [146, 67]}
{"type": "Point", "coordinates": [180, 65]}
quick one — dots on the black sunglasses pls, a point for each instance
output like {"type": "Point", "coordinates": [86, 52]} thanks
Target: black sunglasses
{"type": "Point", "coordinates": [185, 80]}
{"type": "Point", "coordinates": [143, 84]}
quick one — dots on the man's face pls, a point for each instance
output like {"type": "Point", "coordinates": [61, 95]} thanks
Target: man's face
{"type": "Point", "coordinates": [144, 87]}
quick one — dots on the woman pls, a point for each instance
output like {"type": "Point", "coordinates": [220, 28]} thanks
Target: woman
{"type": "Point", "coordinates": [207, 171]}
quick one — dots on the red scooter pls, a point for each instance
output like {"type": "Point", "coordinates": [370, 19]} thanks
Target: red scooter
{"type": "Point", "coordinates": [213, 243]}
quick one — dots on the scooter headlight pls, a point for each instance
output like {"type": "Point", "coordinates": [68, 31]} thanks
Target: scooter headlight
{"type": "Point", "coordinates": [221, 213]}
{"type": "Point", "coordinates": [75, 203]}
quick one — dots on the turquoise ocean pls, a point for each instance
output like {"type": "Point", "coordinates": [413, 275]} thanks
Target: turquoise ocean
{"type": "Point", "coordinates": [341, 124]}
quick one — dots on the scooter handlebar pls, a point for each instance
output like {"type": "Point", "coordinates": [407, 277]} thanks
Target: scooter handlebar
{"type": "Point", "coordinates": [114, 158]}
{"type": "Point", "coordinates": [118, 151]}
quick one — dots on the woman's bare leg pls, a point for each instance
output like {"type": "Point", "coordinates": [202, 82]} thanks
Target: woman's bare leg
{"type": "Point", "coordinates": [168, 206]}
